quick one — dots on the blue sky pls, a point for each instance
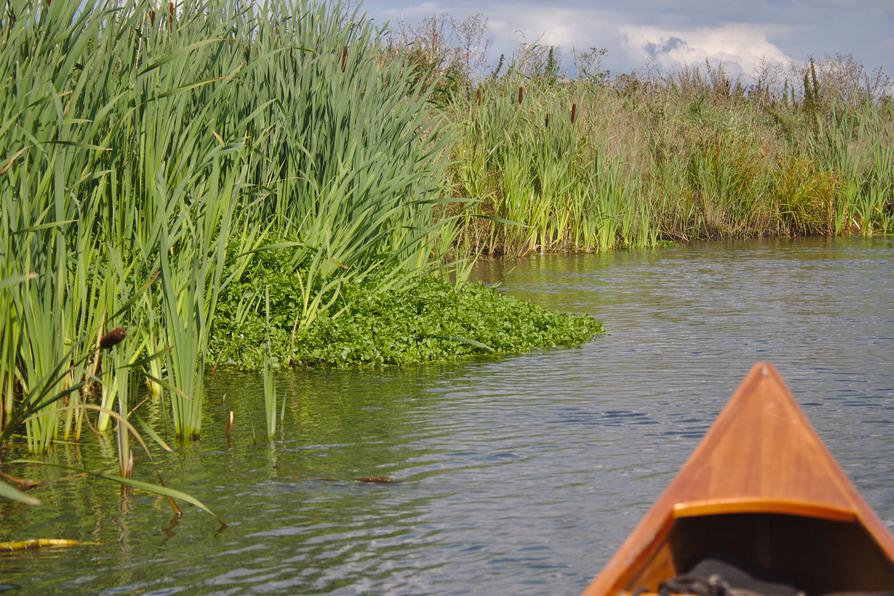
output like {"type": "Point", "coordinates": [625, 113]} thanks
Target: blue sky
{"type": "Point", "coordinates": [739, 34]}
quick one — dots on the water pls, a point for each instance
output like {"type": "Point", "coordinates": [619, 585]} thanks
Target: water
{"type": "Point", "coordinates": [514, 476]}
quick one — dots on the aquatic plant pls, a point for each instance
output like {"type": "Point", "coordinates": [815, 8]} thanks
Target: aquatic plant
{"type": "Point", "coordinates": [203, 129]}
{"type": "Point", "coordinates": [423, 321]}
{"type": "Point", "coordinates": [692, 155]}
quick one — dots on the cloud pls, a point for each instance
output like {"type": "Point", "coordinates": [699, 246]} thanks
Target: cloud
{"type": "Point", "coordinates": [739, 47]}
{"type": "Point", "coordinates": [547, 27]}
{"type": "Point", "coordinates": [737, 34]}
{"type": "Point", "coordinates": [653, 50]}
{"type": "Point", "coordinates": [567, 28]}
{"type": "Point", "coordinates": [414, 12]}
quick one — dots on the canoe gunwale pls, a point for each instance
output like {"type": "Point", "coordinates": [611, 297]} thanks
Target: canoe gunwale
{"type": "Point", "coordinates": [795, 507]}
{"type": "Point", "coordinates": [761, 457]}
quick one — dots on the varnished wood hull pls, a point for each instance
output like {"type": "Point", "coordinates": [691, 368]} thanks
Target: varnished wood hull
{"type": "Point", "coordinates": [760, 488]}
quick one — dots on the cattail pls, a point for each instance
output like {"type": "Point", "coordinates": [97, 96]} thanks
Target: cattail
{"type": "Point", "coordinates": [152, 18]}
{"type": "Point", "coordinates": [521, 94]}
{"type": "Point", "coordinates": [171, 15]}
{"type": "Point", "coordinates": [344, 58]}
{"type": "Point", "coordinates": [546, 122]}
{"type": "Point", "coordinates": [112, 338]}
{"type": "Point", "coordinates": [573, 112]}
{"type": "Point", "coordinates": [478, 96]}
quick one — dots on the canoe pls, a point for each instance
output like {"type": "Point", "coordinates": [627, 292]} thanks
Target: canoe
{"type": "Point", "coordinates": [761, 499]}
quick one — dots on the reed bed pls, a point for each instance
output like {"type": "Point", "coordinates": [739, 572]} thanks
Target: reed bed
{"type": "Point", "coordinates": [150, 151]}
{"type": "Point", "coordinates": [600, 163]}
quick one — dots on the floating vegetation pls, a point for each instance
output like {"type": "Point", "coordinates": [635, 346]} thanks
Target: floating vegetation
{"type": "Point", "coordinates": [424, 321]}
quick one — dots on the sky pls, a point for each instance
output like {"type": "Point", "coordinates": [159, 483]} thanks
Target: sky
{"type": "Point", "coordinates": [738, 34]}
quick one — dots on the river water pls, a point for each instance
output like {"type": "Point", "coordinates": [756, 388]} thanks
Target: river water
{"type": "Point", "coordinates": [513, 476]}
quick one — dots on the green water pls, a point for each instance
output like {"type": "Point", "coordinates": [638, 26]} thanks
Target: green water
{"type": "Point", "coordinates": [515, 476]}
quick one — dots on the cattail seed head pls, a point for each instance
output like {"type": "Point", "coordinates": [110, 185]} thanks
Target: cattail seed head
{"type": "Point", "coordinates": [152, 17]}
{"type": "Point", "coordinates": [112, 338]}
{"type": "Point", "coordinates": [344, 58]}
{"type": "Point", "coordinates": [546, 122]}
{"type": "Point", "coordinates": [478, 96]}
{"type": "Point", "coordinates": [573, 112]}
{"type": "Point", "coordinates": [171, 12]}
{"type": "Point", "coordinates": [521, 94]}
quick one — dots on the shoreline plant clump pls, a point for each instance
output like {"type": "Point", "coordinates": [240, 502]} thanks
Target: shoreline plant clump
{"type": "Point", "coordinates": [590, 166]}
{"type": "Point", "coordinates": [147, 151]}
{"type": "Point", "coordinates": [153, 154]}
{"type": "Point", "coordinates": [374, 322]}
{"type": "Point", "coordinates": [594, 161]}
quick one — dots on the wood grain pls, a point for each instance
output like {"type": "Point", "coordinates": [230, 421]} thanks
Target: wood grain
{"type": "Point", "coordinates": [761, 466]}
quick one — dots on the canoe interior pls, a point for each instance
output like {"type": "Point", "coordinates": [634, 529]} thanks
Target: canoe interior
{"type": "Point", "coordinates": [761, 488]}
{"type": "Point", "coordinates": [816, 555]}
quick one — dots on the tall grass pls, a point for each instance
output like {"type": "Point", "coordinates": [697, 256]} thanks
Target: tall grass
{"type": "Point", "coordinates": [544, 181]}
{"type": "Point", "coordinates": [689, 156]}
{"type": "Point", "coordinates": [147, 155]}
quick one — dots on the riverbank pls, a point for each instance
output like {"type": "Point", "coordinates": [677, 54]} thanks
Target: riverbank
{"type": "Point", "coordinates": [562, 157]}
{"type": "Point", "coordinates": [140, 208]}
{"type": "Point", "coordinates": [584, 165]}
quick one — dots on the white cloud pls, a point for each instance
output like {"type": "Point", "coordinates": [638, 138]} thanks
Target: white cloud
{"type": "Point", "coordinates": [567, 28]}
{"type": "Point", "coordinates": [739, 47]}
{"type": "Point", "coordinates": [734, 32]}
{"type": "Point", "coordinates": [416, 11]}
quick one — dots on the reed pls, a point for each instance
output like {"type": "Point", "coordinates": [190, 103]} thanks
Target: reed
{"type": "Point", "coordinates": [543, 172]}
{"type": "Point", "coordinates": [150, 141]}
{"type": "Point", "coordinates": [269, 380]}
{"type": "Point", "coordinates": [693, 155]}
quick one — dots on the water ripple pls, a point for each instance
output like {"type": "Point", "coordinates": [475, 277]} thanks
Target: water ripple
{"type": "Point", "coordinates": [514, 476]}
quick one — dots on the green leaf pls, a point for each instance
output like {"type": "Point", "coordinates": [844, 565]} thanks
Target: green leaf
{"type": "Point", "coordinates": [138, 484]}
{"type": "Point", "coordinates": [12, 281]}
{"type": "Point", "coordinates": [461, 340]}
{"type": "Point", "coordinates": [10, 492]}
